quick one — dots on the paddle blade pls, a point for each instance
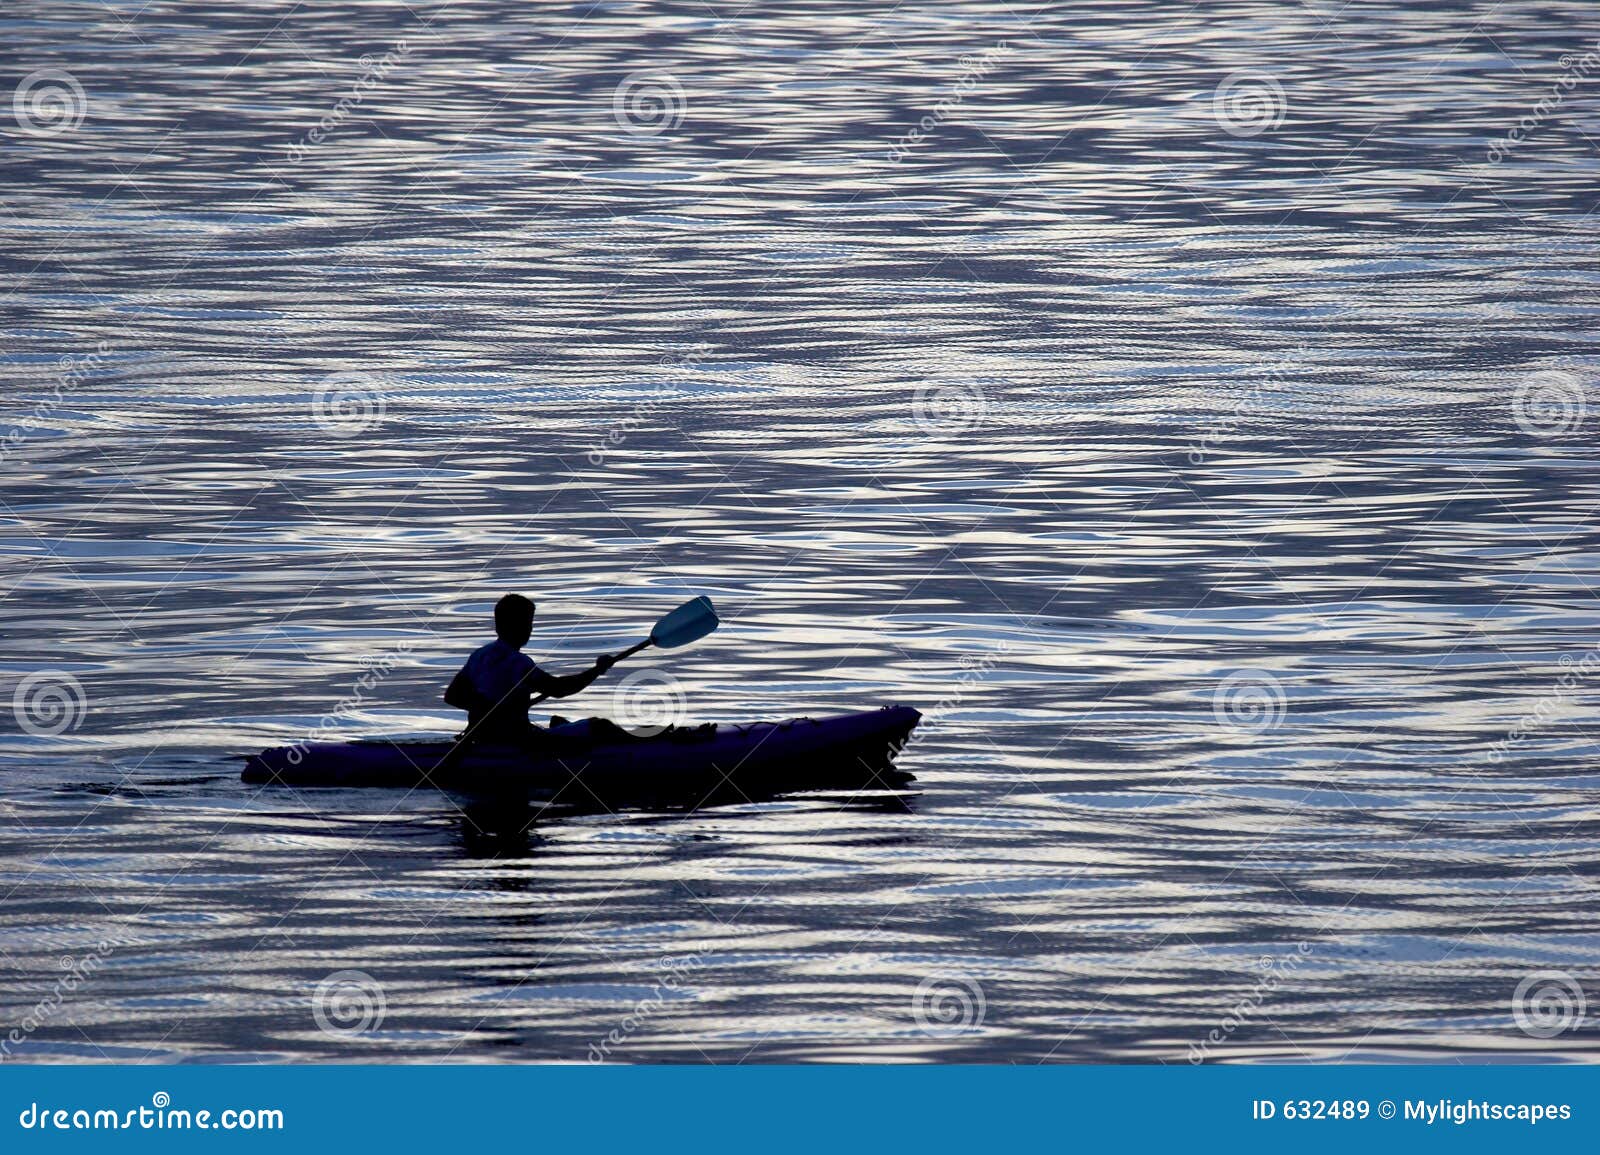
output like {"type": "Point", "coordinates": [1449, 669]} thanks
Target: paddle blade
{"type": "Point", "coordinates": [688, 623]}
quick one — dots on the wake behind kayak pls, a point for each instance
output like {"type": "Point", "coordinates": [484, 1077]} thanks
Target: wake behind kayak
{"type": "Point", "coordinates": [588, 765]}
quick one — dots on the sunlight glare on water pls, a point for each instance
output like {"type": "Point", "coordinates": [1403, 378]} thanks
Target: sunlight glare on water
{"type": "Point", "coordinates": [1187, 410]}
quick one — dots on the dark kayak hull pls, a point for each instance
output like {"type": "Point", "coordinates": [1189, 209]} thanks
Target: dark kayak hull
{"type": "Point", "coordinates": [680, 766]}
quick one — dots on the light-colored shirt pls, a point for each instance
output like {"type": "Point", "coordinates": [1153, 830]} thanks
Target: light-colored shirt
{"type": "Point", "coordinates": [497, 670]}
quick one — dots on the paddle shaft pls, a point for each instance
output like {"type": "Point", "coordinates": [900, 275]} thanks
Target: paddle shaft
{"type": "Point", "coordinates": [632, 650]}
{"type": "Point", "coordinates": [627, 653]}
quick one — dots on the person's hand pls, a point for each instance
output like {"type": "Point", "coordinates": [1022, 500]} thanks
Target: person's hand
{"type": "Point", "coordinates": [604, 662]}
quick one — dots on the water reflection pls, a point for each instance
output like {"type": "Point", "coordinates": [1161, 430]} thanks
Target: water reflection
{"type": "Point", "coordinates": [499, 829]}
{"type": "Point", "coordinates": [1223, 497]}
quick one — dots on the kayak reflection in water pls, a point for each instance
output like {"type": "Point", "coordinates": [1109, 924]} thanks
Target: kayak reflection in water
{"type": "Point", "coordinates": [497, 684]}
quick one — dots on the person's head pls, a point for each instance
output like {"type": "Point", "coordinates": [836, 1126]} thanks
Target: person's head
{"type": "Point", "coordinates": [513, 620]}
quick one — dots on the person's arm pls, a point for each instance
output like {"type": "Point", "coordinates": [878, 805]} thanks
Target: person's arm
{"type": "Point", "coordinates": [462, 695]}
{"type": "Point", "coordinates": [566, 685]}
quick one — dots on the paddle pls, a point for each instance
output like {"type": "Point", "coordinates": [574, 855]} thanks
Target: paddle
{"type": "Point", "coordinates": [690, 622]}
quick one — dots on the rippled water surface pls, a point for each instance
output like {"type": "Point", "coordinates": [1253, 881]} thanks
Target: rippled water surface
{"type": "Point", "coordinates": [1188, 410]}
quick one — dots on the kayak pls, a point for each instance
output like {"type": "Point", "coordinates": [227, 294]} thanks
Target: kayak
{"type": "Point", "coordinates": [591, 762]}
